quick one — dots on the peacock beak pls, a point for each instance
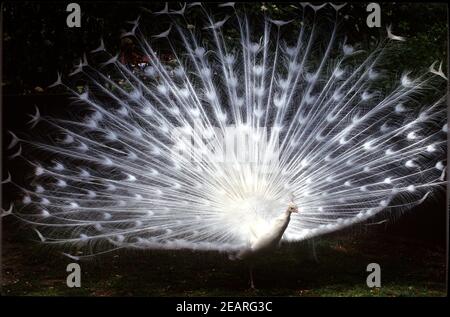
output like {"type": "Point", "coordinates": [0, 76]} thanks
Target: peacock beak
{"type": "Point", "coordinates": [293, 208]}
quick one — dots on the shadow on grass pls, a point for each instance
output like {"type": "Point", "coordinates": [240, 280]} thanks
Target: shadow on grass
{"type": "Point", "coordinates": [409, 268]}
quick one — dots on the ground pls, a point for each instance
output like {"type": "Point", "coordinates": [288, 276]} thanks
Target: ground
{"type": "Point", "coordinates": [408, 268]}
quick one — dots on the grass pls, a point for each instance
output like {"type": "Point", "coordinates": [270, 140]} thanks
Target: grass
{"type": "Point", "coordinates": [408, 268]}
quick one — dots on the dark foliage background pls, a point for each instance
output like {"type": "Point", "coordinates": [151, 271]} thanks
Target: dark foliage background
{"type": "Point", "coordinates": [37, 43]}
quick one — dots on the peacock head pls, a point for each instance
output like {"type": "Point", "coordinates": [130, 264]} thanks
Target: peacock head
{"type": "Point", "coordinates": [292, 208]}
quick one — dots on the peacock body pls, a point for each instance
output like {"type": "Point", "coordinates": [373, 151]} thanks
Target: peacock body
{"type": "Point", "coordinates": [207, 152]}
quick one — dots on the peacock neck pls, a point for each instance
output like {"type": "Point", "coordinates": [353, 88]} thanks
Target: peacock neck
{"type": "Point", "coordinates": [286, 217]}
{"type": "Point", "coordinates": [287, 214]}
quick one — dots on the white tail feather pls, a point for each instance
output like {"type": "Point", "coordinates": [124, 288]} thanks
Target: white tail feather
{"type": "Point", "coordinates": [207, 151]}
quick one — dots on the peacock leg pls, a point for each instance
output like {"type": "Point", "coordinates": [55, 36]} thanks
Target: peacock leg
{"type": "Point", "coordinates": [252, 285]}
